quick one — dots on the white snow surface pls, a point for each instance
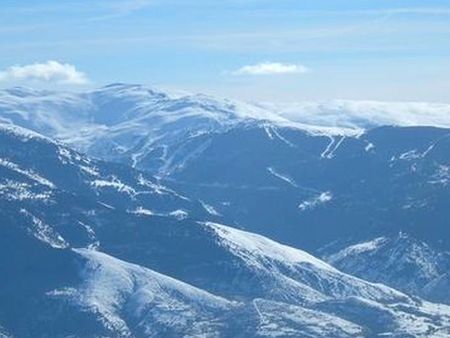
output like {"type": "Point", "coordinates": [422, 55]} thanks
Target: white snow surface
{"type": "Point", "coordinates": [209, 209]}
{"type": "Point", "coordinates": [44, 232]}
{"type": "Point", "coordinates": [282, 177]}
{"type": "Point", "coordinates": [291, 270]}
{"type": "Point", "coordinates": [113, 287]}
{"type": "Point", "coordinates": [285, 320]}
{"type": "Point", "coordinates": [123, 293]}
{"type": "Point", "coordinates": [400, 261]}
{"type": "Point", "coordinates": [315, 201]}
{"type": "Point", "coordinates": [19, 191]}
{"type": "Point", "coordinates": [25, 172]}
{"type": "Point", "coordinates": [241, 242]}
{"type": "Point", "coordinates": [358, 248]}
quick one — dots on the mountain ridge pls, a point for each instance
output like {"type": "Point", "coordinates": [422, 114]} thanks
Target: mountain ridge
{"type": "Point", "coordinates": [121, 286]}
{"type": "Point", "coordinates": [175, 203]}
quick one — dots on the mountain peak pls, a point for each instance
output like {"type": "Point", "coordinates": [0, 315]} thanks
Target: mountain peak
{"type": "Point", "coordinates": [23, 91]}
{"type": "Point", "coordinates": [131, 89]}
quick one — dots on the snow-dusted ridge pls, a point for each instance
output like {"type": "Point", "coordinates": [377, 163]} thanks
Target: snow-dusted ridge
{"type": "Point", "coordinates": [265, 254]}
{"type": "Point", "coordinates": [335, 117]}
{"type": "Point", "coordinates": [241, 242]}
{"type": "Point", "coordinates": [131, 123]}
{"type": "Point", "coordinates": [25, 134]}
{"type": "Point", "coordinates": [124, 294]}
{"type": "Point", "coordinates": [158, 302]}
{"type": "Point", "coordinates": [400, 261]}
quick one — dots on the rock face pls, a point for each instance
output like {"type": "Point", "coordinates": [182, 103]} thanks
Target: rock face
{"type": "Point", "coordinates": [134, 244]}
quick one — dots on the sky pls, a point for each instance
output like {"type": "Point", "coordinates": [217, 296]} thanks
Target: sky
{"type": "Point", "coordinates": [256, 50]}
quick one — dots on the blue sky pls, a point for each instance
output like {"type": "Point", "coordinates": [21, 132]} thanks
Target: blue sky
{"type": "Point", "coordinates": [277, 50]}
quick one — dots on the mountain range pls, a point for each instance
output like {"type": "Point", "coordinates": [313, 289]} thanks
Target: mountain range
{"type": "Point", "coordinates": [128, 211]}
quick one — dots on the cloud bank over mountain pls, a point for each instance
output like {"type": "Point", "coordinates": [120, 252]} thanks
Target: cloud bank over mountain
{"type": "Point", "coordinates": [364, 114]}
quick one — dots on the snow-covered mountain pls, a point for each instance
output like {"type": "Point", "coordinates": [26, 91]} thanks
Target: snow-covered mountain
{"type": "Point", "coordinates": [100, 268]}
{"type": "Point", "coordinates": [273, 169]}
{"type": "Point", "coordinates": [123, 122]}
{"type": "Point", "coordinates": [41, 173]}
{"type": "Point", "coordinates": [309, 190]}
{"type": "Point", "coordinates": [117, 215]}
{"type": "Point", "coordinates": [399, 261]}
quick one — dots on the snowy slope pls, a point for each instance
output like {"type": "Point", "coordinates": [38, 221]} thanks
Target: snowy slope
{"type": "Point", "coordinates": [333, 291]}
{"type": "Point", "coordinates": [121, 292]}
{"type": "Point", "coordinates": [290, 269]}
{"type": "Point", "coordinates": [64, 197]}
{"type": "Point", "coordinates": [142, 126]}
{"type": "Point", "coordinates": [132, 301]}
{"type": "Point", "coordinates": [38, 162]}
{"type": "Point", "coordinates": [399, 261]}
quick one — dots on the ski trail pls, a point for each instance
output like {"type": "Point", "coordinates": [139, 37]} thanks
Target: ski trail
{"type": "Point", "coordinates": [327, 149]}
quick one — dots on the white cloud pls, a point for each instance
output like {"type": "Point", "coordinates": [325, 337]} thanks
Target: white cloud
{"type": "Point", "coordinates": [271, 68]}
{"type": "Point", "coordinates": [50, 72]}
{"type": "Point", "coordinates": [364, 114]}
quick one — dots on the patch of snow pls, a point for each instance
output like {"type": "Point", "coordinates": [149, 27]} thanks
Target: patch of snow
{"type": "Point", "coordinates": [64, 155]}
{"type": "Point", "coordinates": [158, 188]}
{"type": "Point", "coordinates": [441, 176]}
{"type": "Point", "coordinates": [142, 211]}
{"type": "Point", "coordinates": [107, 206]}
{"type": "Point", "coordinates": [18, 191]}
{"type": "Point", "coordinates": [369, 147]}
{"type": "Point", "coordinates": [93, 171]}
{"type": "Point", "coordinates": [92, 236]}
{"type": "Point", "coordinates": [330, 153]}
{"type": "Point", "coordinates": [179, 214]}
{"type": "Point", "coordinates": [28, 173]}
{"type": "Point", "coordinates": [282, 177]}
{"type": "Point", "coordinates": [268, 131]}
{"type": "Point", "coordinates": [210, 209]}
{"type": "Point", "coordinates": [285, 320]}
{"type": "Point", "coordinates": [282, 138]}
{"type": "Point", "coordinates": [410, 155]}
{"type": "Point", "coordinates": [359, 248]}
{"type": "Point", "coordinates": [23, 133]}
{"type": "Point", "coordinates": [332, 147]}
{"type": "Point", "coordinates": [64, 292]}
{"type": "Point", "coordinates": [322, 198]}
{"type": "Point", "coordinates": [430, 148]}
{"type": "Point", "coordinates": [114, 183]}
{"type": "Point", "coordinates": [44, 232]}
